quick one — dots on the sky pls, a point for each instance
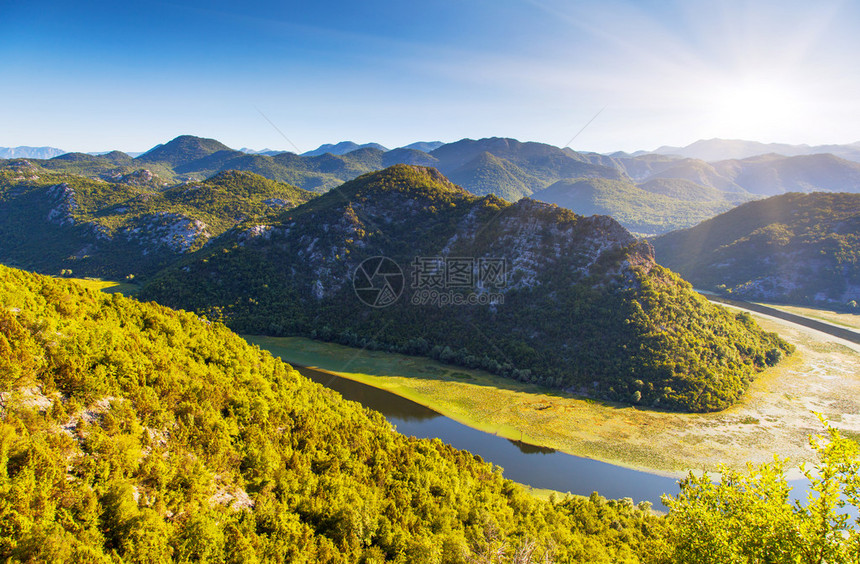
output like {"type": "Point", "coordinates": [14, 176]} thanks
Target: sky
{"type": "Point", "coordinates": [595, 75]}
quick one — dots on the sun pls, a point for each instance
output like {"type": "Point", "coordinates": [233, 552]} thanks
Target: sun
{"type": "Point", "coordinates": [754, 109]}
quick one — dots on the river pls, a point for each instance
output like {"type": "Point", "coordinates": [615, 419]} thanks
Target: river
{"type": "Point", "coordinates": [528, 464]}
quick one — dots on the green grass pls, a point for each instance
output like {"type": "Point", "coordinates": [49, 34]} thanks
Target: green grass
{"type": "Point", "coordinates": [513, 410]}
{"type": "Point", "coordinates": [108, 286]}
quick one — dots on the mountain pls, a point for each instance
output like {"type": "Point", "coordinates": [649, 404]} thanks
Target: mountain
{"type": "Point", "coordinates": [792, 248]}
{"type": "Point", "coordinates": [546, 162]}
{"type": "Point", "coordinates": [711, 150]}
{"type": "Point", "coordinates": [424, 146]}
{"type": "Point", "coordinates": [703, 174]}
{"type": "Point", "coordinates": [657, 206]}
{"type": "Point", "coordinates": [24, 152]}
{"type": "Point", "coordinates": [774, 174]}
{"type": "Point", "coordinates": [765, 175]}
{"type": "Point", "coordinates": [267, 152]}
{"type": "Point", "coordinates": [527, 290]}
{"type": "Point", "coordinates": [133, 226]}
{"type": "Point", "coordinates": [134, 433]}
{"type": "Point", "coordinates": [488, 174]}
{"type": "Point", "coordinates": [183, 150]}
{"type": "Point", "coordinates": [342, 148]}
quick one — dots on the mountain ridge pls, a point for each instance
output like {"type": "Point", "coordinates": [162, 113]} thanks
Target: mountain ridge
{"type": "Point", "coordinates": [716, 149]}
{"type": "Point", "coordinates": [556, 317]}
{"type": "Point", "coordinates": [791, 248]}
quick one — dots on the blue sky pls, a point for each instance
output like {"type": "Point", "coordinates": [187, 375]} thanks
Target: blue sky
{"type": "Point", "coordinates": [95, 76]}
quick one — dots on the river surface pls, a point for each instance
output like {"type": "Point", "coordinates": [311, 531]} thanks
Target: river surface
{"type": "Point", "coordinates": [538, 467]}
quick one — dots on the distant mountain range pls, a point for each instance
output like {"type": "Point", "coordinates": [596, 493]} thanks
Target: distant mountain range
{"type": "Point", "coordinates": [657, 193]}
{"type": "Point", "coordinates": [724, 149]}
{"type": "Point", "coordinates": [342, 148]}
{"type": "Point", "coordinates": [791, 248]}
{"type": "Point", "coordinates": [29, 152]}
{"type": "Point", "coordinates": [267, 152]}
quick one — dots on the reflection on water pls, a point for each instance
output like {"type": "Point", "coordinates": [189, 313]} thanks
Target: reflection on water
{"type": "Point", "coordinates": [390, 405]}
{"type": "Point", "coordinates": [526, 448]}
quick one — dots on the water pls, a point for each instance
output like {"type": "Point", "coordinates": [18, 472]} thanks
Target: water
{"type": "Point", "coordinates": [538, 467]}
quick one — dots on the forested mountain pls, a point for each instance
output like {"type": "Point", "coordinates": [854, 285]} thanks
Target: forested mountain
{"type": "Point", "coordinates": [504, 167]}
{"type": "Point", "coordinates": [571, 302]}
{"type": "Point", "coordinates": [133, 433]}
{"type": "Point", "coordinates": [657, 206]}
{"type": "Point", "coordinates": [795, 248]}
{"type": "Point", "coordinates": [130, 432]}
{"type": "Point", "coordinates": [182, 150]}
{"type": "Point", "coordinates": [134, 226]}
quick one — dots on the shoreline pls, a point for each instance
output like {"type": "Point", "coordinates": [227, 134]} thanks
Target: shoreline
{"type": "Point", "coordinates": [777, 409]}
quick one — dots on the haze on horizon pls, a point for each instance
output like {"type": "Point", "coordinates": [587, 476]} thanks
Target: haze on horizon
{"type": "Point", "coordinates": [96, 75]}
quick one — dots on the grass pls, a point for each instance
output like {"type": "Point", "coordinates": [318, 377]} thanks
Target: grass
{"type": "Point", "coordinates": [108, 286]}
{"type": "Point", "coordinates": [774, 417]}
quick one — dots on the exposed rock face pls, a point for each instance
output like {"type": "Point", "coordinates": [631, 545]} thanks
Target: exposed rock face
{"type": "Point", "coordinates": [168, 231]}
{"type": "Point", "coordinates": [792, 248]}
{"type": "Point", "coordinates": [65, 204]}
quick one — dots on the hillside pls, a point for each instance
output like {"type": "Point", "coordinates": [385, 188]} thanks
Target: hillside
{"type": "Point", "coordinates": [536, 293]}
{"type": "Point", "coordinates": [793, 248]}
{"type": "Point", "coordinates": [773, 174]}
{"type": "Point", "coordinates": [657, 206]}
{"type": "Point", "coordinates": [130, 432]}
{"type": "Point", "coordinates": [52, 222]}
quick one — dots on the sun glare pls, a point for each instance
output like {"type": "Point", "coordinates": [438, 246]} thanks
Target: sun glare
{"type": "Point", "coordinates": [755, 109]}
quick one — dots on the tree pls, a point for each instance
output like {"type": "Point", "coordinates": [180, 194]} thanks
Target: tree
{"type": "Point", "coordinates": [748, 517]}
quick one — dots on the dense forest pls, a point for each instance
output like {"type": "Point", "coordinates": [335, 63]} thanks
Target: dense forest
{"type": "Point", "coordinates": [793, 248]}
{"type": "Point", "coordinates": [133, 433]}
{"type": "Point", "coordinates": [583, 306]}
{"type": "Point", "coordinates": [123, 227]}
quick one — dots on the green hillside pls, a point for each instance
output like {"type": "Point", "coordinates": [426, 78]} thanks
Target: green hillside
{"type": "Point", "coordinates": [580, 305]}
{"type": "Point", "coordinates": [56, 221]}
{"type": "Point", "coordinates": [794, 248]}
{"type": "Point", "coordinates": [657, 206]}
{"type": "Point", "coordinates": [182, 149]}
{"type": "Point", "coordinates": [488, 174]}
{"type": "Point", "coordinates": [133, 433]}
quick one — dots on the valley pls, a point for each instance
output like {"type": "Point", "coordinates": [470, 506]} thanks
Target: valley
{"type": "Point", "coordinates": [536, 282]}
{"type": "Point", "coordinates": [777, 409]}
{"type": "Point", "coordinates": [590, 368]}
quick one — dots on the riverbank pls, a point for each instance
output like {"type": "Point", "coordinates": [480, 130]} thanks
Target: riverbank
{"type": "Point", "coordinates": [774, 417]}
